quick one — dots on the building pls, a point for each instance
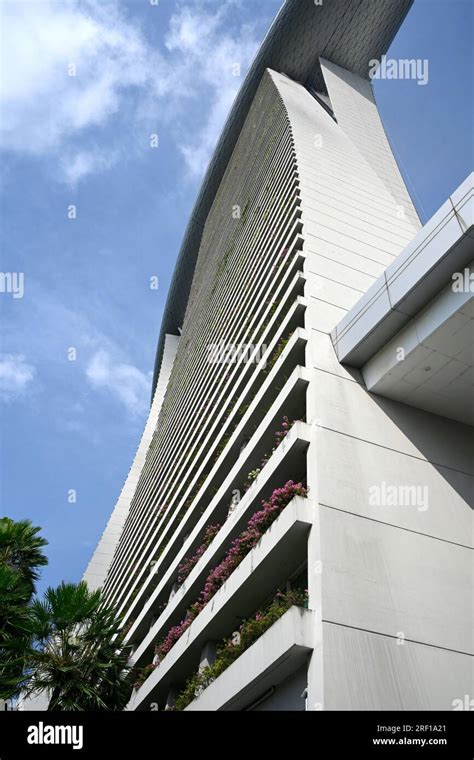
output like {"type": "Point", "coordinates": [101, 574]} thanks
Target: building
{"type": "Point", "coordinates": [314, 332]}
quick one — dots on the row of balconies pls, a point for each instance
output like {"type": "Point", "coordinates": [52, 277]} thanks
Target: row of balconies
{"type": "Point", "coordinates": [280, 553]}
{"type": "Point", "coordinates": [287, 462]}
{"type": "Point", "coordinates": [228, 477]}
{"type": "Point", "coordinates": [291, 404]}
{"type": "Point", "coordinates": [197, 375]}
{"type": "Point", "coordinates": [276, 326]}
{"type": "Point", "coordinates": [260, 573]}
{"type": "Point", "coordinates": [255, 578]}
{"type": "Point", "coordinates": [142, 500]}
{"type": "Point", "coordinates": [259, 671]}
{"type": "Point", "coordinates": [254, 294]}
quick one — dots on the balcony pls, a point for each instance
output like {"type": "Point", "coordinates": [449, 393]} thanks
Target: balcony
{"type": "Point", "coordinates": [281, 466]}
{"type": "Point", "coordinates": [280, 551]}
{"type": "Point", "coordinates": [285, 463]}
{"type": "Point", "coordinates": [286, 370]}
{"type": "Point", "coordinates": [277, 654]}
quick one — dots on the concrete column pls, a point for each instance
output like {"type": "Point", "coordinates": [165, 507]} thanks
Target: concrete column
{"type": "Point", "coordinates": [171, 698]}
{"type": "Point", "coordinates": [208, 655]}
{"type": "Point", "coordinates": [173, 591]}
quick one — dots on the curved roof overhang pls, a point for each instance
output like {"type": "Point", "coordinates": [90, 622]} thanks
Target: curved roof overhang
{"type": "Point", "coordinates": [349, 33]}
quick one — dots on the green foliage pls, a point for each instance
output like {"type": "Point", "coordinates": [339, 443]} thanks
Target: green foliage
{"type": "Point", "coordinates": [78, 655]}
{"type": "Point", "coordinates": [21, 550]}
{"type": "Point", "coordinates": [252, 475]}
{"type": "Point", "coordinates": [278, 350]}
{"type": "Point", "coordinates": [21, 556]}
{"type": "Point", "coordinates": [68, 645]}
{"type": "Point", "coordinates": [143, 674]}
{"type": "Point", "coordinates": [231, 649]}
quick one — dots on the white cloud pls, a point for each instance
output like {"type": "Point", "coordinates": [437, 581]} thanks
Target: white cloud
{"type": "Point", "coordinates": [41, 103]}
{"type": "Point", "coordinates": [118, 73]}
{"type": "Point", "coordinates": [15, 375]}
{"type": "Point", "coordinates": [125, 382]}
{"type": "Point", "coordinates": [75, 167]}
{"type": "Point", "coordinates": [198, 150]}
{"type": "Point", "coordinates": [212, 60]}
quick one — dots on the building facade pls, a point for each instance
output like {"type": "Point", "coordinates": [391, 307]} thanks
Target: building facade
{"type": "Point", "coordinates": [315, 356]}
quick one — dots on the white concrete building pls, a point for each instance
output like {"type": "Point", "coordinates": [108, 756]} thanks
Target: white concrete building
{"type": "Point", "coordinates": [304, 244]}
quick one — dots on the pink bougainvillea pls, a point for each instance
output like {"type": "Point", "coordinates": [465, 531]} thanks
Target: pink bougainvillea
{"type": "Point", "coordinates": [188, 563]}
{"type": "Point", "coordinates": [286, 426]}
{"type": "Point", "coordinates": [240, 547]}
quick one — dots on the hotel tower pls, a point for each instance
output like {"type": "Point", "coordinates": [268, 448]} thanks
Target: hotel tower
{"type": "Point", "coordinates": [294, 532]}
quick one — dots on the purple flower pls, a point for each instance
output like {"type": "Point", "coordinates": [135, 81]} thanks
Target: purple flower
{"type": "Point", "coordinates": [240, 547]}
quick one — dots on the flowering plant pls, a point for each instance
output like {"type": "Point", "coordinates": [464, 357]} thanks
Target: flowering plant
{"type": "Point", "coordinates": [252, 475]}
{"type": "Point", "coordinates": [286, 426]}
{"type": "Point", "coordinates": [188, 563]}
{"type": "Point", "coordinates": [231, 648]}
{"type": "Point", "coordinates": [240, 547]}
{"type": "Point", "coordinates": [142, 675]}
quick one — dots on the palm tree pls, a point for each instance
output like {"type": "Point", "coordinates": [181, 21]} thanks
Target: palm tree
{"type": "Point", "coordinates": [14, 631]}
{"type": "Point", "coordinates": [20, 557]}
{"type": "Point", "coordinates": [78, 655]}
{"type": "Point", "coordinates": [21, 549]}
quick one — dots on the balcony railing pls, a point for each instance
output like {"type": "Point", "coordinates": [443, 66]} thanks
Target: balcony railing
{"type": "Point", "coordinates": [280, 551]}
{"type": "Point", "coordinates": [276, 655]}
{"type": "Point", "coordinates": [282, 466]}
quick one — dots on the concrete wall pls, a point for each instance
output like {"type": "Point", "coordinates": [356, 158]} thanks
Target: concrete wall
{"type": "Point", "coordinates": [289, 695]}
{"type": "Point", "coordinates": [390, 582]}
{"type": "Point", "coordinates": [357, 115]}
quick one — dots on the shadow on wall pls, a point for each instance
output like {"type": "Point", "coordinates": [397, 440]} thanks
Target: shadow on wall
{"type": "Point", "coordinates": [447, 444]}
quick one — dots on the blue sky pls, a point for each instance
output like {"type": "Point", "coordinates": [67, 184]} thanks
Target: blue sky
{"type": "Point", "coordinates": [84, 141]}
